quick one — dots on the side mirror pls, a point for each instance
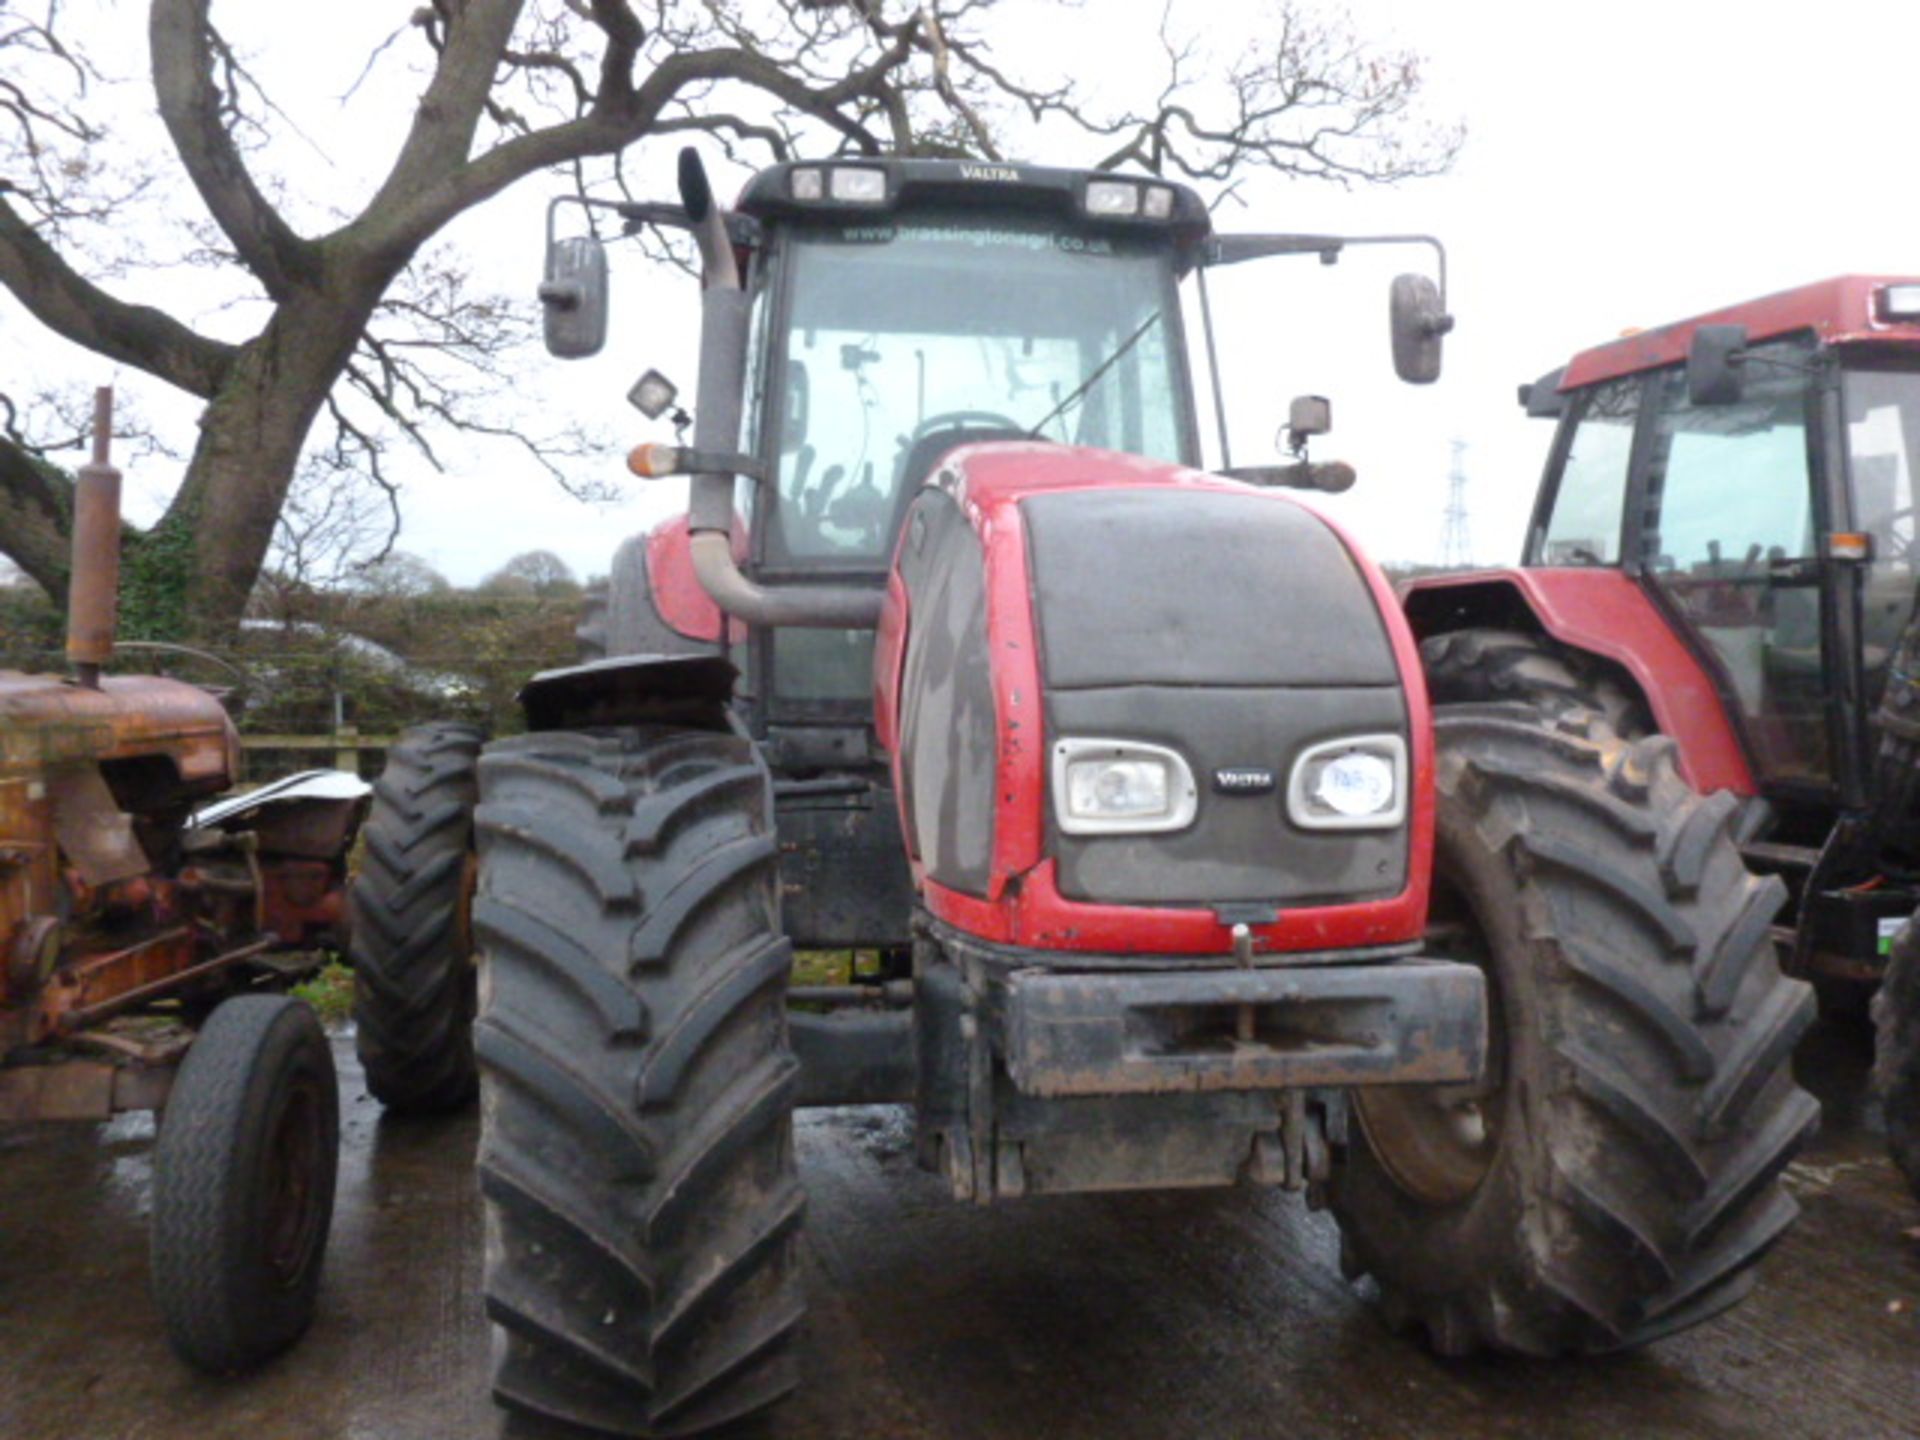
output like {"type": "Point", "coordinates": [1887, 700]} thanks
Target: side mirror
{"type": "Point", "coordinates": [1542, 399]}
{"type": "Point", "coordinates": [1714, 359]}
{"type": "Point", "coordinates": [574, 297]}
{"type": "Point", "coordinates": [1419, 321]}
{"type": "Point", "coordinates": [1307, 416]}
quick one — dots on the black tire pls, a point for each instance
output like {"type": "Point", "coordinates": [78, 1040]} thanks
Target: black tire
{"type": "Point", "coordinates": [1467, 667]}
{"type": "Point", "coordinates": [1616, 1178]}
{"type": "Point", "coordinates": [1896, 1052]}
{"type": "Point", "coordinates": [590, 634]}
{"type": "Point", "coordinates": [411, 948]}
{"type": "Point", "coordinates": [636, 1152]}
{"type": "Point", "coordinates": [243, 1179]}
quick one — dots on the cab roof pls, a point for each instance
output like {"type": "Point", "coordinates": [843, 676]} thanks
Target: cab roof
{"type": "Point", "coordinates": [1040, 189]}
{"type": "Point", "coordinates": [1846, 310]}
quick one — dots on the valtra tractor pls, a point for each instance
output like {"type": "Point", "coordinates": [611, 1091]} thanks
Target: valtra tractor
{"type": "Point", "coordinates": [1724, 552]}
{"type": "Point", "coordinates": [1127, 775]}
{"type": "Point", "coordinates": [147, 932]}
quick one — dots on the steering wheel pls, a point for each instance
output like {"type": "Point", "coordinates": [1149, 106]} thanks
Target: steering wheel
{"type": "Point", "coordinates": [964, 420]}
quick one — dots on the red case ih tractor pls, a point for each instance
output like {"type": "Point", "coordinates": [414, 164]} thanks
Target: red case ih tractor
{"type": "Point", "coordinates": [1724, 551]}
{"type": "Point", "coordinates": [145, 935]}
{"type": "Point", "coordinates": [1127, 776]}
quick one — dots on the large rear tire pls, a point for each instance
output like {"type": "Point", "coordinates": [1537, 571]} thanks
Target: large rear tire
{"type": "Point", "coordinates": [1481, 666]}
{"type": "Point", "coordinates": [636, 1152]}
{"type": "Point", "coordinates": [1896, 1052]}
{"type": "Point", "coordinates": [411, 948]}
{"type": "Point", "coordinates": [1615, 1178]}
{"type": "Point", "coordinates": [243, 1180]}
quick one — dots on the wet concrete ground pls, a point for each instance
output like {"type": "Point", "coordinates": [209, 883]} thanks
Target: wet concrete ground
{"type": "Point", "coordinates": [1140, 1316]}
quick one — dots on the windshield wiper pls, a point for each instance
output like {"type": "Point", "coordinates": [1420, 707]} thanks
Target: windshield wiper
{"type": "Point", "coordinates": [1094, 379]}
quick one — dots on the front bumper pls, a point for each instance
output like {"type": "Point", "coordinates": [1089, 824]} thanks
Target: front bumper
{"type": "Point", "coordinates": [1404, 1022]}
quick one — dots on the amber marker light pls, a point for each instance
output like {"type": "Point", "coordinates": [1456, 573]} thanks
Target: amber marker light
{"type": "Point", "coordinates": [1849, 545]}
{"type": "Point", "coordinates": [650, 462]}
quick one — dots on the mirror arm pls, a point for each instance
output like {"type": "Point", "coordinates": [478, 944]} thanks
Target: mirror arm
{"type": "Point", "coordinates": [1232, 249]}
{"type": "Point", "coordinates": [741, 229]}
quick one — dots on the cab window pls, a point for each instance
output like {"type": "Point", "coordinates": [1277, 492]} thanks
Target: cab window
{"type": "Point", "coordinates": [1590, 493]}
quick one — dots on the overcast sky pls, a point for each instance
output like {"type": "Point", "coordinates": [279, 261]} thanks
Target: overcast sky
{"type": "Point", "coordinates": [1625, 165]}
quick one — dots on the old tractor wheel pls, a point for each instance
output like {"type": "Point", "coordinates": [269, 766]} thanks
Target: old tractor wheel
{"type": "Point", "coordinates": [636, 1153]}
{"type": "Point", "coordinates": [1483, 666]}
{"type": "Point", "coordinates": [412, 951]}
{"type": "Point", "coordinates": [243, 1180]}
{"type": "Point", "coordinates": [1896, 1052]}
{"type": "Point", "coordinates": [1613, 1179]}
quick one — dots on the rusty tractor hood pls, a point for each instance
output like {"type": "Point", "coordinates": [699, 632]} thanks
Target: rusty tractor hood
{"type": "Point", "coordinates": [47, 721]}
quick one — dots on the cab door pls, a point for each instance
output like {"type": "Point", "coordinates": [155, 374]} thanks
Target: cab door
{"type": "Point", "coordinates": [1730, 521]}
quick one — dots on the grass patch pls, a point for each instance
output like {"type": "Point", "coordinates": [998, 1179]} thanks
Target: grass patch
{"type": "Point", "coordinates": [330, 993]}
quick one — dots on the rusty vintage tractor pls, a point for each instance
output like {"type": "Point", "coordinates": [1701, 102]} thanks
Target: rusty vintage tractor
{"type": "Point", "coordinates": [148, 932]}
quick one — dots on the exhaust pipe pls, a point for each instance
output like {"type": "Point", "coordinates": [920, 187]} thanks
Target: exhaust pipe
{"type": "Point", "coordinates": [93, 586]}
{"type": "Point", "coordinates": [724, 314]}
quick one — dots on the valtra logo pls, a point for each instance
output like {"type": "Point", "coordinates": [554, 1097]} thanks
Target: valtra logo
{"type": "Point", "coordinates": [1244, 780]}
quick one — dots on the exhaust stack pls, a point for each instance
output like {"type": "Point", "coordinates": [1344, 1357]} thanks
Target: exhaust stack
{"type": "Point", "coordinates": [93, 587]}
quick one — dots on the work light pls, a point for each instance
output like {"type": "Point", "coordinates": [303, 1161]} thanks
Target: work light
{"type": "Point", "coordinates": [1900, 302]}
{"type": "Point", "coordinates": [857, 185]}
{"type": "Point", "coordinates": [1112, 197]}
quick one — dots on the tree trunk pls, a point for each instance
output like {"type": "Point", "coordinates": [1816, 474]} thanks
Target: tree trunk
{"type": "Point", "coordinates": [190, 575]}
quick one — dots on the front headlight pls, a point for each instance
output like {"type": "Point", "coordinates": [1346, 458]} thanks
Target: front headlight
{"type": "Point", "coordinates": [1353, 784]}
{"type": "Point", "coordinates": [1121, 787]}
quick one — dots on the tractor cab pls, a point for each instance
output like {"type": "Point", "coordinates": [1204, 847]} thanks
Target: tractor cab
{"type": "Point", "coordinates": [1724, 540]}
{"type": "Point", "coordinates": [901, 310]}
{"type": "Point", "coordinates": [1753, 471]}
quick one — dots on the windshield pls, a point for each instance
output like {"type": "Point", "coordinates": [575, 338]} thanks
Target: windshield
{"type": "Point", "coordinates": [907, 337]}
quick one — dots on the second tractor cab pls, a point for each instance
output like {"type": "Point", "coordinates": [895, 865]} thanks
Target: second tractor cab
{"type": "Point", "coordinates": [1724, 550]}
{"type": "Point", "coordinates": [1121, 782]}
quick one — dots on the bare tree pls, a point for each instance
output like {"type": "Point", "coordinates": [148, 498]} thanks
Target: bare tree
{"type": "Point", "coordinates": [533, 572]}
{"type": "Point", "coordinates": [365, 325]}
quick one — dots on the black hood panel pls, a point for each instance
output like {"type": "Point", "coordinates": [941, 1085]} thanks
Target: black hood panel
{"type": "Point", "coordinates": [1167, 586]}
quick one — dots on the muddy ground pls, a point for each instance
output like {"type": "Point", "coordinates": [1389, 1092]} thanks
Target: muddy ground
{"type": "Point", "coordinates": [1139, 1316]}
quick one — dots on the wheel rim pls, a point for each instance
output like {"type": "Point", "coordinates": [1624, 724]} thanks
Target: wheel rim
{"type": "Point", "coordinates": [294, 1165]}
{"type": "Point", "coordinates": [1438, 1142]}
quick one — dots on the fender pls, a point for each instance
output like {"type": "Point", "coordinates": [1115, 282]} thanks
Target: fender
{"type": "Point", "coordinates": [689, 690]}
{"type": "Point", "coordinates": [1604, 613]}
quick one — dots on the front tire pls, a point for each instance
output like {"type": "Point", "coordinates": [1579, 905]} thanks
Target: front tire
{"type": "Point", "coordinates": [243, 1181]}
{"type": "Point", "coordinates": [636, 1151]}
{"type": "Point", "coordinates": [1615, 1178]}
{"type": "Point", "coordinates": [411, 947]}
{"type": "Point", "coordinates": [1896, 1052]}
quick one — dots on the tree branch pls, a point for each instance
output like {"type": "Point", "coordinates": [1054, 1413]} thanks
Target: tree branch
{"type": "Point", "coordinates": [184, 44]}
{"type": "Point", "coordinates": [73, 307]}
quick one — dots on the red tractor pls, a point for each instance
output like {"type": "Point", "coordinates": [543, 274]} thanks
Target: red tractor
{"type": "Point", "coordinates": [1724, 552]}
{"type": "Point", "coordinates": [1123, 781]}
{"type": "Point", "coordinates": [148, 932]}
